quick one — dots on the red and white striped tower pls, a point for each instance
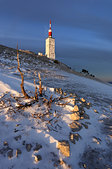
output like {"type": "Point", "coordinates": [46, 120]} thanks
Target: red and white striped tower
{"type": "Point", "coordinates": [50, 31]}
{"type": "Point", "coordinates": [50, 44]}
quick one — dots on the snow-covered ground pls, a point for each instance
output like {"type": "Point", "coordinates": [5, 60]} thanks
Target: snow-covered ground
{"type": "Point", "coordinates": [73, 131]}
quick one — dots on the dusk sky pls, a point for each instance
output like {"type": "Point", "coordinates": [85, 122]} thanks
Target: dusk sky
{"type": "Point", "coordinates": [79, 26]}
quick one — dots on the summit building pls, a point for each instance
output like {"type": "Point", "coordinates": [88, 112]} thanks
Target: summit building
{"type": "Point", "coordinates": [50, 45]}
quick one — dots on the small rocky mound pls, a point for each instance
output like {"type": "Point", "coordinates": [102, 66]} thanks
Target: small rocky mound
{"type": "Point", "coordinates": [64, 147]}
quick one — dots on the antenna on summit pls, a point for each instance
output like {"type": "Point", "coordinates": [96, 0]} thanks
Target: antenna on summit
{"type": "Point", "coordinates": [50, 31]}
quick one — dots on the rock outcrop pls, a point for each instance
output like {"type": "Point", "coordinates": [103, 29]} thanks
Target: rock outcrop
{"type": "Point", "coordinates": [64, 147]}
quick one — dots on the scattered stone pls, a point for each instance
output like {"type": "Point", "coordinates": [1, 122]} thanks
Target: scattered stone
{"type": "Point", "coordinates": [24, 142]}
{"type": "Point", "coordinates": [74, 101]}
{"type": "Point", "coordinates": [28, 147]}
{"type": "Point", "coordinates": [17, 138]}
{"type": "Point", "coordinates": [74, 137]}
{"type": "Point", "coordinates": [64, 147]}
{"type": "Point", "coordinates": [18, 151]}
{"type": "Point", "coordinates": [81, 118]}
{"type": "Point", "coordinates": [85, 125]}
{"type": "Point", "coordinates": [61, 91]}
{"type": "Point", "coordinates": [81, 110]}
{"type": "Point", "coordinates": [96, 158]}
{"type": "Point", "coordinates": [10, 154]}
{"type": "Point", "coordinates": [88, 105]}
{"type": "Point", "coordinates": [4, 150]}
{"type": "Point", "coordinates": [15, 130]}
{"type": "Point", "coordinates": [110, 108]}
{"type": "Point", "coordinates": [97, 140]}
{"type": "Point", "coordinates": [71, 138]}
{"type": "Point", "coordinates": [56, 89]}
{"type": "Point", "coordinates": [55, 159]}
{"type": "Point", "coordinates": [65, 93]}
{"type": "Point", "coordinates": [85, 116]}
{"type": "Point", "coordinates": [58, 161]}
{"type": "Point", "coordinates": [61, 162]}
{"type": "Point", "coordinates": [5, 143]}
{"type": "Point", "coordinates": [96, 111]}
{"type": "Point", "coordinates": [37, 158]}
{"type": "Point", "coordinates": [39, 104]}
{"type": "Point", "coordinates": [84, 165]}
{"type": "Point", "coordinates": [76, 109]}
{"type": "Point", "coordinates": [37, 147]}
{"type": "Point", "coordinates": [75, 116]}
{"type": "Point", "coordinates": [17, 125]}
{"type": "Point", "coordinates": [75, 126]}
{"type": "Point", "coordinates": [110, 135]}
{"type": "Point", "coordinates": [83, 100]}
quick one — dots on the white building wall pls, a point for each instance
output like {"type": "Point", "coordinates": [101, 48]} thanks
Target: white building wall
{"type": "Point", "coordinates": [50, 48]}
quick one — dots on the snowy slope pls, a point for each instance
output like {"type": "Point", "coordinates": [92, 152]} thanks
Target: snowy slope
{"type": "Point", "coordinates": [75, 132]}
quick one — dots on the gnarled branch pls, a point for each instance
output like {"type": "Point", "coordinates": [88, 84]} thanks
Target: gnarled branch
{"type": "Point", "coordinates": [22, 77]}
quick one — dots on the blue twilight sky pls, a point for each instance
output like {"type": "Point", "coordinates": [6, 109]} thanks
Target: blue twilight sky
{"type": "Point", "coordinates": [81, 27]}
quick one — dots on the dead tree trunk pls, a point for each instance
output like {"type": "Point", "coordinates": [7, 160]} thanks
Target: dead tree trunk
{"type": "Point", "coordinates": [36, 93]}
{"type": "Point", "coordinates": [40, 85]}
{"type": "Point", "coordinates": [22, 77]}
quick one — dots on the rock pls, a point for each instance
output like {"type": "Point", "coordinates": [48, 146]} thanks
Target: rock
{"type": "Point", "coordinates": [83, 100]}
{"type": "Point", "coordinates": [18, 125]}
{"type": "Point", "coordinates": [60, 91]}
{"type": "Point", "coordinates": [81, 164]}
{"type": "Point", "coordinates": [5, 143]}
{"type": "Point", "coordinates": [88, 105]}
{"type": "Point", "coordinates": [10, 154]}
{"type": "Point", "coordinates": [58, 161]}
{"type": "Point", "coordinates": [56, 89]}
{"type": "Point", "coordinates": [37, 158]}
{"type": "Point", "coordinates": [75, 126]}
{"type": "Point", "coordinates": [74, 137]}
{"type": "Point", "coordinates": [81, 110]}
{"type": "Point", "coordinates": [97, 140]}
{"type": "Point", "coordinates": [71, 138]}
{"type": "Point", "coordinates": [74, 116]}
{"type": "Point", "coordinates": [64, 147]}
{"type": "Point", "coordinates": [24, 142]}
{"type": "Point", "coordinates": [15, 130]}
{"type": "Point", "coordinates": [37, 147]}
{"type": "Point", "coordinates": [96, 111]}
{"type": "Point", "coordinates": [74, 101]}
{"type": "Point", "coordinates": [28, 147]}
{"type": "Point", "coordinates": [110, 135]}
{"type": "Point", "coordinates": [76, 109]}
{"type": "Point", "coordinates": [61, 162]}
{"type": "Point", "coordinates": [17, 138]}
{"type": "Point", "coordinates": [84, 165]}
{"type": "Point", "coordinates": [85, 125]}
{"type": "Point", "coordinates": [85, 116]}
{"type": "Point", "coordinates": [18, 151]}
{"type": "Point", "coordinates": [65, 93]}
